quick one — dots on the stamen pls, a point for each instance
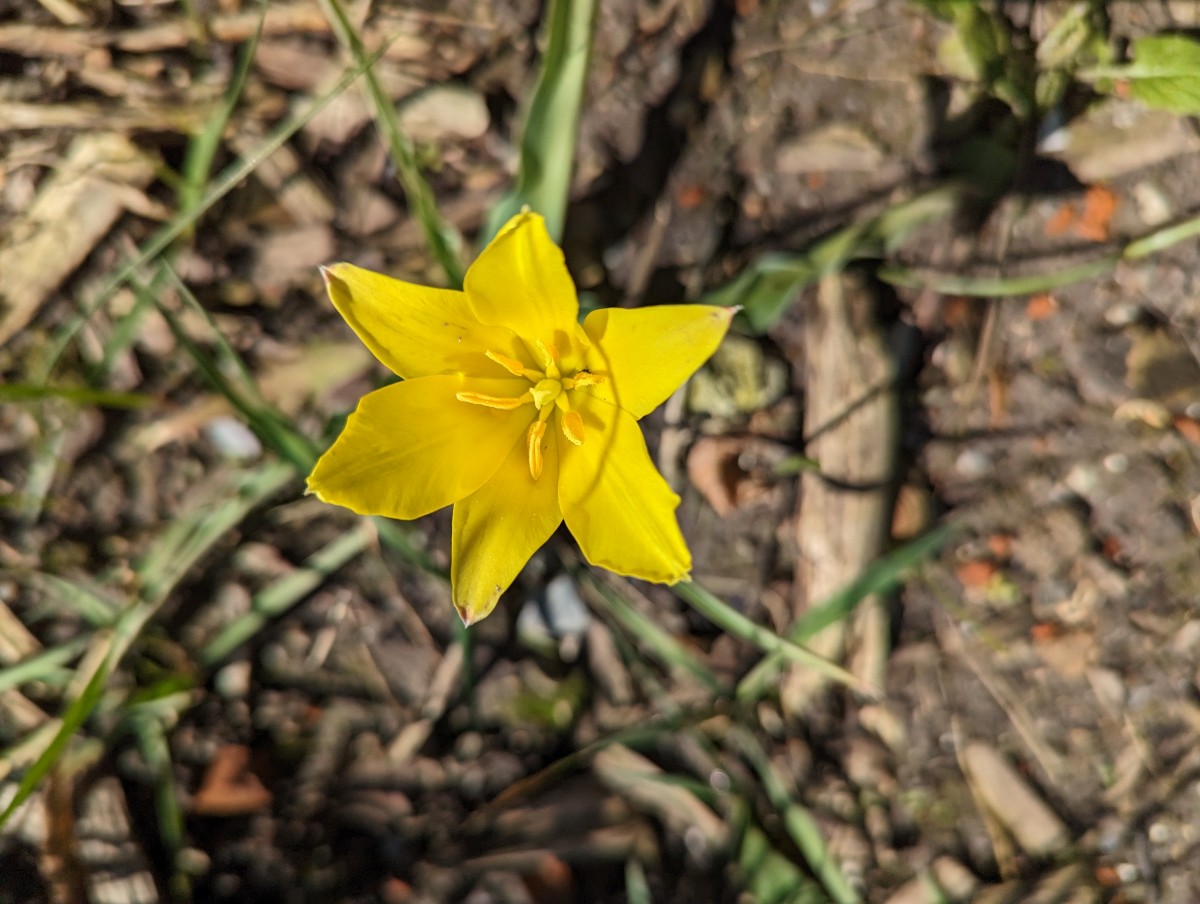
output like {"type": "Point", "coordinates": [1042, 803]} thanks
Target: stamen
{"type": "Point", "coordinates": [537, 430]}
{"type": "Point", "coordinates": [550, 359]}
{"type": "Point", "coordinates": [500, 402]}
{"type": "Point", "coordinates": [572, 427]}
{"type": "Point", "coordinates": [512, 365]}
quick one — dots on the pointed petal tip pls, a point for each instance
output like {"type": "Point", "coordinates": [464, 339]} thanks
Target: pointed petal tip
{"type": "Point", "coordinates": [465, 615]}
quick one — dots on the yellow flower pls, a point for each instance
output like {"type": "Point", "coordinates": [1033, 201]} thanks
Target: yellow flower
{"type": "Point", "coordinates": [515, 414]}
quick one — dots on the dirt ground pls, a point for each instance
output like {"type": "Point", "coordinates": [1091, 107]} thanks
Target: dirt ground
{"type": "Point", "coordinates": [1037, 737]}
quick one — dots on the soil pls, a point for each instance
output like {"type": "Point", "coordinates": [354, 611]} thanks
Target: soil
{"type": "Point", "coordinates": [1037, 735]}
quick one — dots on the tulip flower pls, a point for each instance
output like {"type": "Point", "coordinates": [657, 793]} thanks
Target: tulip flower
{"type": "Point", "coordinates": [516, 414]}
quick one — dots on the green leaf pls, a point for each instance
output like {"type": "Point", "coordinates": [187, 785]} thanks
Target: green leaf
{"type": "Point", "coordinates": [552, 121]}
{"type": "Point", "coordinates": [1165, 74]}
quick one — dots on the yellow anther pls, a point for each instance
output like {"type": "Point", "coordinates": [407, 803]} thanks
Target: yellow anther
{"type": "Point", "coordinates": [582, 379]}
{"type": "Point", "coordinates": [572, 427]}
{"type": "Point", "coordinates": [537, 431]}
{"type": "Point", "coordinates": [512, 365]}
{"type": "Point", "coordinates": [503, 403]}
{"type": "Point", "coordinates": [545, 392]}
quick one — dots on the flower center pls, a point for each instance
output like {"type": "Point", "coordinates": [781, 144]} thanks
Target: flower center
{"type": "Point", "coordinates": [549, 392]}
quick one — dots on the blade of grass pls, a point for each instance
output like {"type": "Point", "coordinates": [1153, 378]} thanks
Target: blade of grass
{"type": "Point", "coordinates": [67, 727]}
{"type": "Point", "coordinates": [202, 149]}
{"type": "Point", "coordinates": [76, 395]}
{"type": "Point", "coordinates": [730, 620]}
{"type": "Point", "coordinates": [278, 597]}
{"type": "Point", "coordinates": [41, 666]}
{"type": "Point", "coordinates": [1028, 284]}
{"type": "Point", "coordinates": [547, 147]}
{"type": "Point", "coordinates": [230, 178]}
{"type": "Point", "coordinates": [156, 752]}
{"type": "Point", "coordinates": [800, 825]}
{"type": "Point", "coordinates": [648, 635]}
{"type": "Point", "coordinates": [768, 876]}
{"type": "Point", "coordinates": [178, 549]}
{"type": "Point", "coordinates": [442, 238]}
{"type": "Point", "coordinates": [767, 287]}
{"type": "Point", "coordinates": [269, 424]}
{"type": "Point", "coordinates": [91, 604]}
{"type": "Point", "coordinates": [229, 501]}
{"type": "Point", "coordinates": [880, 577]}
{"type": "Point", "coordinates": [637, 889]}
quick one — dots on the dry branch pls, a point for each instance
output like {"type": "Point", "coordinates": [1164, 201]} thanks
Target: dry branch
{"type": "Point", "coordinates": [850, 424]}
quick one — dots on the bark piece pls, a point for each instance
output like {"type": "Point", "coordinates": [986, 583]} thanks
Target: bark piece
{"type": "Point", "coordinates": [1030, 821]}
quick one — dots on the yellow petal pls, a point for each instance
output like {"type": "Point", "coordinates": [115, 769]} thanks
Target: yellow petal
{"type": "Point", "coordinates": [520, 281]}
{"type": "Point", "coordinates": [412, 448]}
{"type": "Point", "coordinates": [415, 331]}
{"type": "Point", "coordinates": [614, 501]}
{"type": "Point", "coordinates": [647, 353]}
{"type": "Point", "coordinates": [498, 527]}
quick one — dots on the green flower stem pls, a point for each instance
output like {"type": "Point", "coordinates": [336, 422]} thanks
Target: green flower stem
{"type": "Point", "coordinates": [729, 619]}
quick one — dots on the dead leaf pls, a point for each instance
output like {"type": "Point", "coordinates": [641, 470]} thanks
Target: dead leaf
{"type": "Point", "coordinates": [1041, 307]}
{"type": "Point", "coordinates": [714, 468]}
{"type": "Point", "coordinates": [976, 575]}
{"type": "Point", "coordinates": [1095, 222]}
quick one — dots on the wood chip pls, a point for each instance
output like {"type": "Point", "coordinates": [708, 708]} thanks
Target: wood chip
{"type": "Point", "coordinates": [283, 172]}
{"type": "Point", "coordinates": [1031, 822]}
{"type": "Point", "coordinates": [641, 782]}
{"type": "Point", "coordinates": [73, 210]}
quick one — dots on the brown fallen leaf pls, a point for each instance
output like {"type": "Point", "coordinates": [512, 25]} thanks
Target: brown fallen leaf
{"type": "Point", "coordinates": [714, 468]}
{"type": "Point", "coordinates": [1187, 427]}
{"type": "Point", "coordinates": [229, 787]}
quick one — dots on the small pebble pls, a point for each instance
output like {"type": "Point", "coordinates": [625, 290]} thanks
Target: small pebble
{"type": "Point", "coordinates": [233, 438]}
{"type": "Point", "coordinates": [1123, 314]}
{"type": "Point", "coordinates": [973, 464]}
{"type": "Point", "coordinates": [468, 746]}
{"type": "Point", "coordinates": [1116, 463]}
{"type": "Point", "coordinates": [1082, 479]}
{"type": "Point", "coordinates": [1159, 832]}
{"type": "Point", "coordinates": [233, 681]}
